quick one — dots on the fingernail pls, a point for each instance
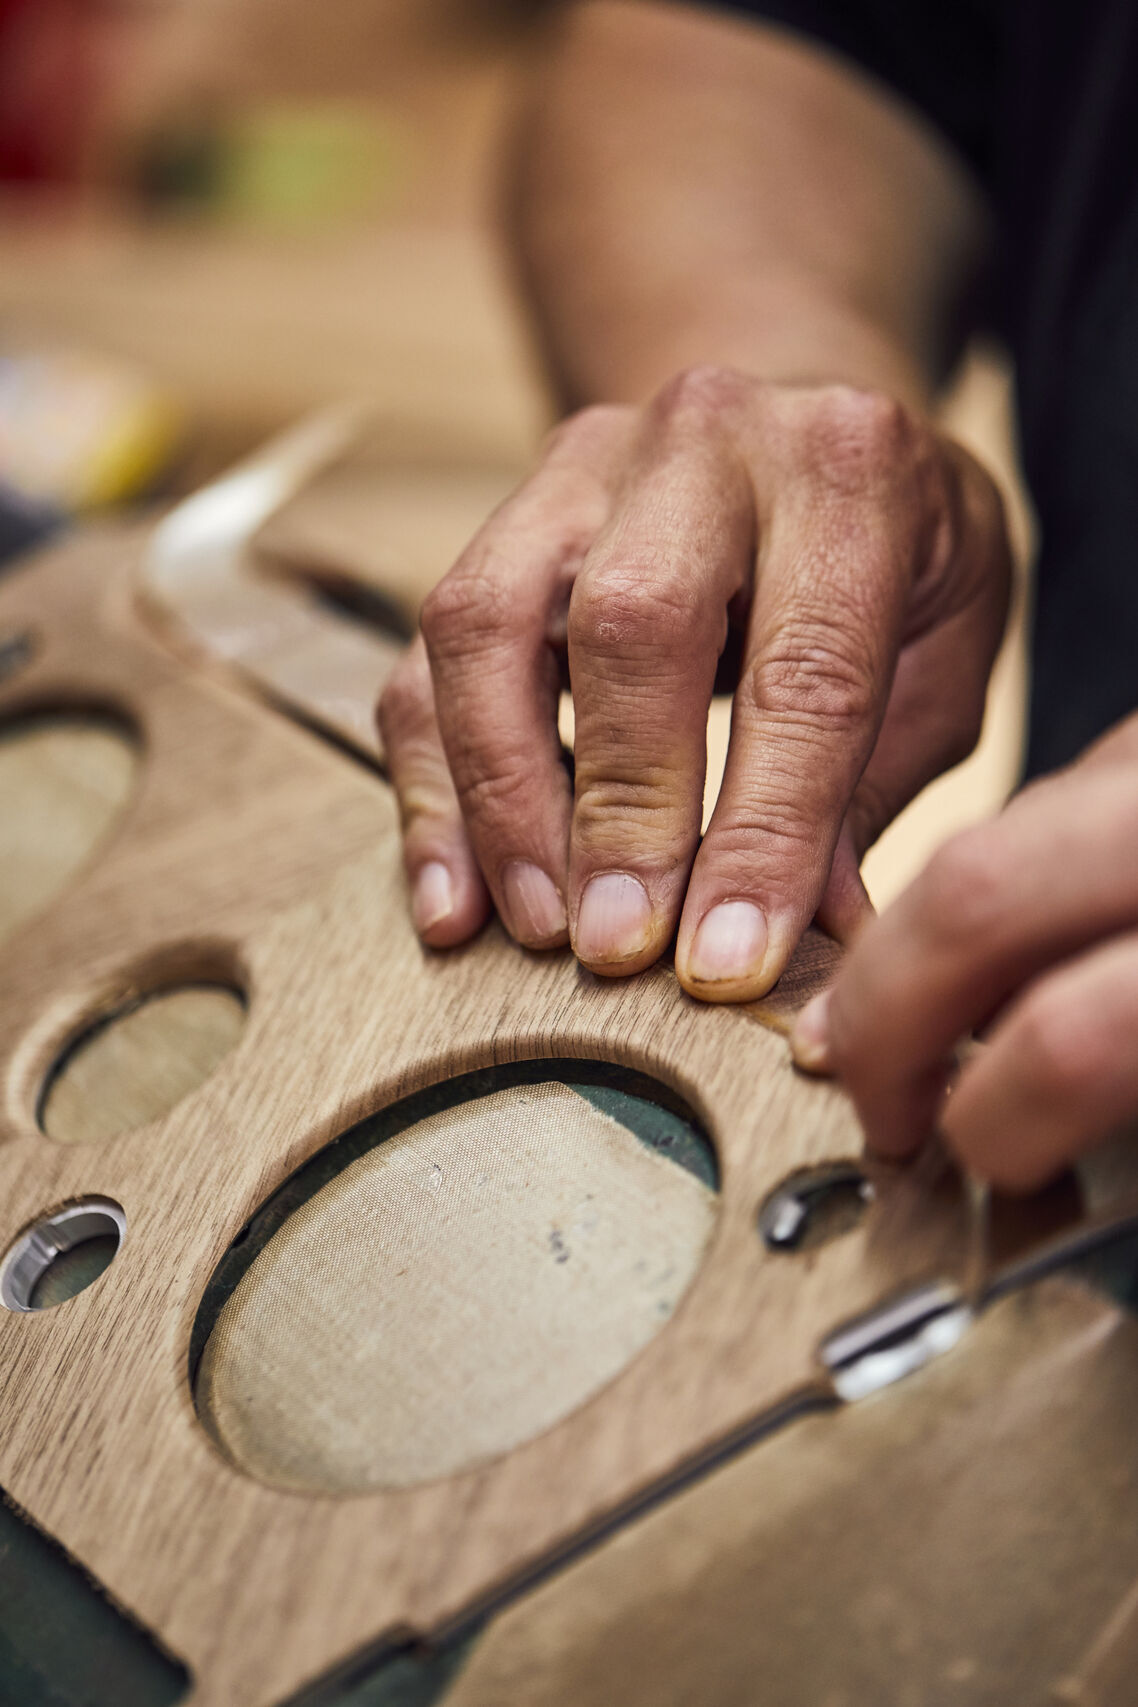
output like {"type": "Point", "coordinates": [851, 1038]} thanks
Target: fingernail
{"type": "Point", "coordinates": [614, 921]}
{"type": "Point", "coordinates": [432, 898]}
{"type": "Point", "coordinates": [536, 911]}
{"type": "Point", "coordinates": [729, 944]}
{"type": "Point", "coordinates": [810, 1038]}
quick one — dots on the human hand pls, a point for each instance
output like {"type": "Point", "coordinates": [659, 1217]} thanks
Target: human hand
{"type": "Point", "coordinates": [1032, 918]}
{"type": "Point", "coordinates": [859, 561]}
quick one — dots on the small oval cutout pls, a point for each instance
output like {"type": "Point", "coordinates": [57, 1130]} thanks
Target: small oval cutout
{"type": "Point", "coordinates": [452, 1277]}
{"type": "Point", "coordinates": [61, 1255]}
{"type": "Point", "coordinates": [814, 1205]}
{"type": "Point", "coordinates": [64, 779]}
{"type": "Point", "coordinates": [132, 1065]}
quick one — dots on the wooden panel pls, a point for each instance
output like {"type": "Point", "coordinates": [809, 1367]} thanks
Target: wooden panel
{"type": "Point", "coordinates": [967, 1539]}
{"type": "Point", "coordinates": [254, 855]}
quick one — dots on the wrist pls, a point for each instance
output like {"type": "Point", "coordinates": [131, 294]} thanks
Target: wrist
{"type": "Point", "coordinates": [784, 333]}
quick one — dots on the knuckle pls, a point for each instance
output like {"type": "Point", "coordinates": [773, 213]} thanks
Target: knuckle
{"type": "Point", "coordinates": [771, 834]}
{"type": "Point", "coordinates": [851, 436]}
{"type": "Point", "coordinates": [811, 672]}
{"type": "Point", "coordinates": [870, 419]}
{"type": "Point", "coordinates": [629, 608]}
{"type": "Point", "coordinates": [422, 811]}
{"type": "Point", "coordinates": [757, 828]}
{"type": "Point", "coordinates": [1060, 1057]}
{"type": "Point", "coordinates": [465, 611]}
{"type": "Point", "coordinates": [498, 794]}
{"type": "Point", "coordinates": [962, 892]}
{"type": "Point", "coordinates": [587, 429]}
{"type": "Point", "coordinates": [699, 397]}
{"type": "Point", "coordinates": [404, 698]}
{"type": "Point", "coordinates": [643, 808]}
{"type": "Point", "coordinates": [646, 793]}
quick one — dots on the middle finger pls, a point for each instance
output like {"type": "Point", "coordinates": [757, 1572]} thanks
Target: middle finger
{"type": "Point", "coordinates": [647, 622]}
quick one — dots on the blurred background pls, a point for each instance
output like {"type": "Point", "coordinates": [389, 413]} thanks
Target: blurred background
{"type": "Point", "coordinates": [216, 215]}
{"type": "Point", "coordinates": [219, 215]}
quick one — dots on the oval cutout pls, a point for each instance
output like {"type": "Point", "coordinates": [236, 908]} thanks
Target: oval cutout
{"type": "Point", "coordinates": [132, 1065]}
{"type": "Point", "coordinates": [452, 1277]}
{"type": "Point", "coordinates": [65, 779]}
{"type": "Point", "coordinates": [814, 1205]}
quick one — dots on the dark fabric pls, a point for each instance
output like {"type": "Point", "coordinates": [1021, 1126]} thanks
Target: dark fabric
{"type": "Point", "coordinates": [1069, 203]}
{"type": "Point", "coordinates": [23, 524]}
{"type": "Point", "coordinates": [1041, 102]}
{"type": "Point", "coordinates": [945, 58]}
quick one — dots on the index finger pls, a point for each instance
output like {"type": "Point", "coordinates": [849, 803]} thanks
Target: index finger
{"type": "Point", "coordinates": [993, 909]}
{"type": "Point", "coordinates": [491, 629]}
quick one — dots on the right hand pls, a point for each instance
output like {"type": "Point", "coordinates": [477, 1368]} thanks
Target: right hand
{"type": "Point", "coordinates": [860, 560]}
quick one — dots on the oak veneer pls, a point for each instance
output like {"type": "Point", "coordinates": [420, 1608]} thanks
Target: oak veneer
{"type": "Point", "coordinates": [252, 853]}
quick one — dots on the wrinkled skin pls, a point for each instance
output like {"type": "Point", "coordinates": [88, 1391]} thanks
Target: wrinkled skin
{"type": "Point", "coordinates": [1024, 929]}
{"type": "Point", "coordinates": [853, 558]}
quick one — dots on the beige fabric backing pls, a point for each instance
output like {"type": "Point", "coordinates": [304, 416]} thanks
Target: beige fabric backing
{"type": "Point", "coordinates": [63, 782]}
{"type": "Point", "coordinates": [450, 1294]}
{"type": "Point", "coordinates": [139, 1065]}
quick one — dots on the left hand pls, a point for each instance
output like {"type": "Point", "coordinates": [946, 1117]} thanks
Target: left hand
{"type": "Point", "coordinates": [1025, 930]}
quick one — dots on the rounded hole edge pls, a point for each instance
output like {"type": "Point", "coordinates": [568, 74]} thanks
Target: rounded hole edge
{"type": "Point", "coordinates": [35, 1250]}
{"type": "Point", "coordinates": [61, 1032]}
{"type": "Point", "coordinates": [387, 1120]}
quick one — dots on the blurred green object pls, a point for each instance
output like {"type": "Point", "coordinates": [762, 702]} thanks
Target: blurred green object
{"type": "Point", "coordinates": [297, 165]}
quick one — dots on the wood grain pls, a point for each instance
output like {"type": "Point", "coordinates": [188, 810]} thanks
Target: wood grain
{"type": "Point", "coordinates": [968, 1538]}
{"type": "Point", "coordinates": [251, 854]}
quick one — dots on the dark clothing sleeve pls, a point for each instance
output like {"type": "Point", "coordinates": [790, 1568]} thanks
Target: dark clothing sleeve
{"type": "Point", "coordinates": [944, 58]}
{"type": "Point", "coordinates": [1041, 101]}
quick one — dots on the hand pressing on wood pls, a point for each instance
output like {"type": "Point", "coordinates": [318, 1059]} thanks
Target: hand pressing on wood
{"type": "Point", "coordinates": [851, 560]}
{"type": "Point", "coordinates": [688, 189]}
{"type": "Point", "coordinates": [1024, 930]}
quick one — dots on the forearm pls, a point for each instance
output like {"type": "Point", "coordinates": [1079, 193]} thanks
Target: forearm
{"type": "Point", "coordinates": [689, 188]}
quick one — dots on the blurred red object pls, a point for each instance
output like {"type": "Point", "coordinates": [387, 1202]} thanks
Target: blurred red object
{"type": "Point", "coordinates": [48, 88]}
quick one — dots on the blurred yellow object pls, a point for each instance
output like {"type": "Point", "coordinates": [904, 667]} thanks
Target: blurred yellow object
{"type": "Point", "coordinates": [136, 450]}
{"type": "Point", "coordinates": [82, 431]}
